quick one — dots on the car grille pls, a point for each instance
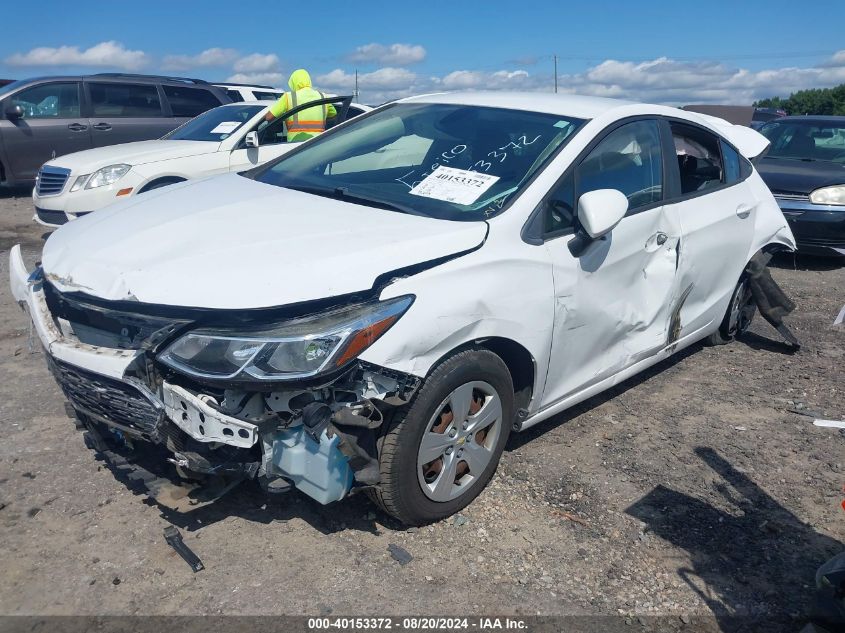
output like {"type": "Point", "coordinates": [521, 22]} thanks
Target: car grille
{"type": "Point", "coordinates": [51, 180]}
{"type": "Point", "coordinates": [48, 216]}
{"type": "Point", "coordinates": [788, 195]}
{"type": "Point", "coordinates": [106, 399]}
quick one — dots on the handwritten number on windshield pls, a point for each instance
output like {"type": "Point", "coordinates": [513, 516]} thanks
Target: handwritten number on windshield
{"type": "Point", "coordinates": [499, 155]}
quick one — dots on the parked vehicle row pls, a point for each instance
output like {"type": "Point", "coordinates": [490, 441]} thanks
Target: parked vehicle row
{"type": "Point", "coordinates": [45, 117]}
{"type": "Point", "coordinates": [232, 137]}
{"type": "Point", "coordinates": [380, 307]}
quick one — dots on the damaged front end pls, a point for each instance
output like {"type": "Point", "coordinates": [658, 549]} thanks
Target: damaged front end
{"type": "Point", "coordinates": [278, 396]}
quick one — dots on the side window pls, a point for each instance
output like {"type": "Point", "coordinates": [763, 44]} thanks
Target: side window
{"type": "Point", "coordinates": [628, 159]}
{"type": "Point", "coordinates": [731, 158]}
{"type": "Point", "coordinates": [49, 101]}
{"type": "Point", "coordinates": [234, 95]}
{"type": "Point", "coordinates": [266, 96]}
{"type": "Point", "coordinates": [699, 158]}
{"type": "Point", "coordinates": [189, 102]}
{"type": "Point", "coordinates": [124, 100]}
{"type": "Point", "coordinates": [273, 133]}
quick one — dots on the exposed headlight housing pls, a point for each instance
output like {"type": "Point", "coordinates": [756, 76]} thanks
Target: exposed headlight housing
{"type": "Point", "coordinates": [829, 195]}
{"type": "Point", "coordinates": [296, 349]}
{"type": "Point", "coordinates": [107, 176]}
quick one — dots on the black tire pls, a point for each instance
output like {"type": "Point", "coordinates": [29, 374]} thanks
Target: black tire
{"type": "Point", "coordinates": [738, 318]}
{"type": "Point", "coordinates": [400, 493]}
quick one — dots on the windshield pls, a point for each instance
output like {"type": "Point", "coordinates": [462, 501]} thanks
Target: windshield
{"type": "Point", "coordinates": [216, 124]}
{"type": "Point", "coordinates": [806, 140]}
{"type": "Point", "coordinates": [4, 90]}
{"type": "Point", "coordinates": [445, 161]}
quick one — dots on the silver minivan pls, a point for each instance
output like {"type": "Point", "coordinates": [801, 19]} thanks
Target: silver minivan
{"type": "Point", "coordinates": [45, 117]}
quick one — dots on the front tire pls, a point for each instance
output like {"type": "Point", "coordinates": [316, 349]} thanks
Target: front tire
{"type": "Point", "coordinates": [741, 310]}
{"type": "Point", "coordinates": [442, 453]}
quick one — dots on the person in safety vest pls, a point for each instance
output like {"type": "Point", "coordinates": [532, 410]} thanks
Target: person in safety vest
{"type": "Point", "coordinates": [305, 123]}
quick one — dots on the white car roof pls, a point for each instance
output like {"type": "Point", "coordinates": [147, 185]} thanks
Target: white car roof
{"type": "Point", "coordinates": [749, 142]}
{"type": "Point", "coordinates": [565, 105]}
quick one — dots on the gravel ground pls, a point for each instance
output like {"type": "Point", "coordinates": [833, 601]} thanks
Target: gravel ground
{"type": "Point", "coordinates": [694, 489]}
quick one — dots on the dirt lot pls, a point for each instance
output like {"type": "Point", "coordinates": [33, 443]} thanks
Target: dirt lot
{"type": "Point", "coordinates": [694, 489]}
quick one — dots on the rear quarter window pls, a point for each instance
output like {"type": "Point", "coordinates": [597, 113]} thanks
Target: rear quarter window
{"type": "Point", "coordinates": [189, 102]}
{"type": "Point", "coordinates": [733, 172]}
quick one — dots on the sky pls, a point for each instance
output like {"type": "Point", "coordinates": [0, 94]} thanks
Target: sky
{"type": "Point", "coordinates": [658, 51]}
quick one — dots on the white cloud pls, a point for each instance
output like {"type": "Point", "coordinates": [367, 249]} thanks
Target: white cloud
{"type": "Point", "coordinates": [109, 54]}
{"type": "Point", "coordinates": [377, 86]}
{"type": "Point", "coordinates": [669, 81]}
{"type": "Point", "coordinates": [266, 79]}
{"type": "Point", "coordinates": [392, 55]}
{"type": "Point", "coordinates": [478, 80]}
{"type": "Point", "coordinates": [209, 57]}
{"type": "Point", "coordinates": [258, 63]}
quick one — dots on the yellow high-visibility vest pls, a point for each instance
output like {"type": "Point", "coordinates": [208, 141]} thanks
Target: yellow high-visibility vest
{"type": "Point", "coordinates": [307, 122]}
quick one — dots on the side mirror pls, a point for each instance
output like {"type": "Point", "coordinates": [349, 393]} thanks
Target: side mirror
{"type": "Point", "coordinates": [251, 139]}
{"type": "Point", "coordinates": [601, 210]}
{"type": "Point", "coordinates": [14, 112]}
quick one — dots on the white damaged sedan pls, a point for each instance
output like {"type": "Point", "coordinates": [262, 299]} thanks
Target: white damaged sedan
{"type": "Point", "coordinates": [381, 307]}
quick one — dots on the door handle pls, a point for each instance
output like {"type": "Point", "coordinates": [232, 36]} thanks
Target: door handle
{"type": "Point", "coordinates": [77, 127]}
{"type": "Point", "coordinates": [661, 238]}
{"type": "Point", "coordinates": [744, 210]}
{"type": "Point", "coordinates": [103, 127]}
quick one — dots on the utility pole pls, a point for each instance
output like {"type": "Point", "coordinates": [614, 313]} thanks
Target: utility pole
{"type": "Point", "coordinates": [356, 85]}
{"type": "Point", "coordinates": [555, 56]}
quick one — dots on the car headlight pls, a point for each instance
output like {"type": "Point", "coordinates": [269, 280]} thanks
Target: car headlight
{"type": "Point", "coordinates": [79, 182]}
{"type": "Point", "coordinates": [829, 195]}
{"type": "Point", "coordinates": [106, 176]}
{"type": "Point", "coordinates": [299, 348]}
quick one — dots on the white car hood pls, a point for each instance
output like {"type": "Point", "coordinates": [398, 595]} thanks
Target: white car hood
{"type": "Point", "coordinates": [229, 242]}
{"type": "Point", "coordinates": [138, 153]}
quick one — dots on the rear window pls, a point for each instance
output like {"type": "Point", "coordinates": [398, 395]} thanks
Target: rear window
{"type": "Point", "coordinates": [124, 100]}
{"type": "Point", "coordinates": [266, 96]}
{"type": "Point", "coordinates": [189, 101]}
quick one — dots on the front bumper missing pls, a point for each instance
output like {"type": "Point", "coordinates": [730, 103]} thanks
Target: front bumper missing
{"type": "Point", "coordinates": [204, 423]}
{"type": "Point", "coordinates": [102, 385]}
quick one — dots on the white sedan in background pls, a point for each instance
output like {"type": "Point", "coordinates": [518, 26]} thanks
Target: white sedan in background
{"type": "Point", "coordinates": [232, 137]}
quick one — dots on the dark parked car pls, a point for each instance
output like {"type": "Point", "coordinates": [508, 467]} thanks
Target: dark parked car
{"type": "Point", "coordinates": [45, 117]}
{"type": "Point", "coordinates": [805, 169]}
{"type": "Point", "coordinates": [762, 116]}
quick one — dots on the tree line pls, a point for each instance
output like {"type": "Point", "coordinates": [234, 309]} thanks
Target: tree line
{"type": "Point", "coordinates": [825, 101]}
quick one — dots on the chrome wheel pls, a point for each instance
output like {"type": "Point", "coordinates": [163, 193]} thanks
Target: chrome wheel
{"type": "Point", "coordinates": [460, 441]}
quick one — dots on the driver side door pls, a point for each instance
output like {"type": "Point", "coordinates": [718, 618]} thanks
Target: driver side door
{"type": "Point", "coordinates": [613, 301]}
{"type": "Point", "coordinates": [272, 137]}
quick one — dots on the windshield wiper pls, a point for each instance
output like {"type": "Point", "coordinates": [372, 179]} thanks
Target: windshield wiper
{"type": "Point", "coordinates": [342, 193]}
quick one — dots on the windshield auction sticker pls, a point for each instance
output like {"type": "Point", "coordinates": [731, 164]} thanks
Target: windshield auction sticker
{"type": "Point", "coordinates": [227, 127]}
{"type": "Point", "coordinates": [454, 185]}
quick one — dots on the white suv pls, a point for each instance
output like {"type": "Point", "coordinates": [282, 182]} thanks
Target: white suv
{"type": "Point", "coordinates": [233, 137]}
{"type": "Point", "coordinates": [246, 92]}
